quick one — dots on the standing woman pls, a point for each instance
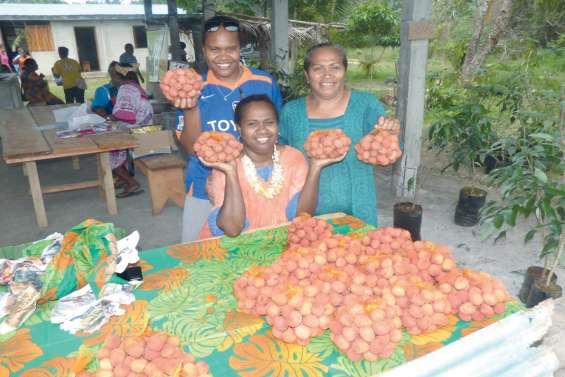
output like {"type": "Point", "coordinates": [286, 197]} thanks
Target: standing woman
{"type": "Point", "coordinates": [132, 107]}
{"type": "Point", "coordinates": [347, 186]}
{"type": "Point", "coordinates": [227, 83]}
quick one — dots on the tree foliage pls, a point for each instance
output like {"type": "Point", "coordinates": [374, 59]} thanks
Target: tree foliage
{"type": "Point", "coordinates": [189, 5]}
{"type": "Point", "coordinates": [372, 23]}
{"type": "Point", "coordinates": [323, 11]}
{"type": "Point", "coordinates": [540, 20]}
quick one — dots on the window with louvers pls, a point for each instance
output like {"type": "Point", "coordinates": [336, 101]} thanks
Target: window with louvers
{"type": "Point", "coordinates": [39, 38]}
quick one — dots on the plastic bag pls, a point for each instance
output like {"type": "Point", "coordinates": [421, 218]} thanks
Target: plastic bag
{"type": "Point", "coordinates": [77, 117]}
{"type": "Point", "coordinates": [53, 268]}
{"type": "Point", "coordinates": [23, 276]}
{"type": "Point", "coordinates": [83, 311]}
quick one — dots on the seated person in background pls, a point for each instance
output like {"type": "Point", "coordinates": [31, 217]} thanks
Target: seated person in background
{"type": "Point", "coordinates": [132, 106]}
{"type": "Point", "coordinates": [268, 184]}
{"type": "Point", "coordinates": [183, 52]}
{"type": "Point", "coordinates": [105, 95]}
{"type": "Point", "coordinates": [35, 87]}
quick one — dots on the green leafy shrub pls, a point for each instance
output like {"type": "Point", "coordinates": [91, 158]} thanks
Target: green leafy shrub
{"type": "Point", "coordinates": [532, 184]}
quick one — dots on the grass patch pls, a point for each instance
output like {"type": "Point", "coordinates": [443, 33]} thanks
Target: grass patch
{"type": "Point", "coordinates": [91, 85]}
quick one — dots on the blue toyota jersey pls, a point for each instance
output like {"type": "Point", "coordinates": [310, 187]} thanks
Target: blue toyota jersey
{"type": "Point", "coordinates": [217, 103]}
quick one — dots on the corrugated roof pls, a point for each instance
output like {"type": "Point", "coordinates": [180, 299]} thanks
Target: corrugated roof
{"type": "Point", "coordinates": [77, 11]}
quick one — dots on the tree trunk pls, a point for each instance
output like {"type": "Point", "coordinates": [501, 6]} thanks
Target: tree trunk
{"type": "Point", "coordinates": [208, 11]}
{"type": "Point", "coordinates": [148, 7]}
{"type": "Point", "coordinates": [500, 23]}
{"type": "Point", "coordinates": [174, 30]}
{"type": "Point", "coordinates": [482, 6]}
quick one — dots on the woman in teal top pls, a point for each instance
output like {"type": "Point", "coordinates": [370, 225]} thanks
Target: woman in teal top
{"type": "Point", "coordinates": [347, 186]}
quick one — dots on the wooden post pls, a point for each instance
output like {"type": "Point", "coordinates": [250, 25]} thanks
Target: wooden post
{"type": "Point", "coordinates": [174, 30]}
{"type": "Point", "coordinates": [415, 32]}
{"type": "Point", "coordinates": [148, 7]}
{"type": "Point", "coordinates": [279, 37]}
{"type": "Point", "coordinates": [208, 11]}
{"type": "Point", "coordinates": [36, 193]}
{"type": "Point", "coordinates": [151, 85]}
{"type": "Point", "coordinates": [196, 29]}
{"type": "Point", "coordinates": [108, 182]}
{"type": "Point", "coordinates": [76, 163]}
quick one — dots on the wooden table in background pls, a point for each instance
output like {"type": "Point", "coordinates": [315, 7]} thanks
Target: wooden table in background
{"type": "Point", "coordinates": [23, 142]}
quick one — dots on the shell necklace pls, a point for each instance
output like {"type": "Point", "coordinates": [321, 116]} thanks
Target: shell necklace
{"type": "Point", "coordinates": [275, 184]}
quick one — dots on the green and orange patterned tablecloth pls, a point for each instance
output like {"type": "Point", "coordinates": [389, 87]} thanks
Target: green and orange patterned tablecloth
{"type": "Point", "coordinates": [187, 292]}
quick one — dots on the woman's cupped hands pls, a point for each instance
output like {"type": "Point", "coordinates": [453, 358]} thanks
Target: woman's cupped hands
{"type": "Point", "coordinates": [225, 167]}
{"type": "Point", "coordinates": [323, 162]}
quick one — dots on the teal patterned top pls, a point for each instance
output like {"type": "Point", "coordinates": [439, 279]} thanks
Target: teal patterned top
{"type": "Point", "coordinates": [348, 186]}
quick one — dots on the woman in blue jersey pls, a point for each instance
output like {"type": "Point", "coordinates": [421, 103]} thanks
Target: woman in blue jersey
{"type": "Point", "coordinates": [227, 82]}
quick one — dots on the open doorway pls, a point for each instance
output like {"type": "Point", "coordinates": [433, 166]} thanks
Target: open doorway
{"type": "Point", "coordinates": [86, 46]}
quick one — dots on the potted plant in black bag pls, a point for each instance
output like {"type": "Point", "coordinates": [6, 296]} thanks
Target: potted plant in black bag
{"type": "Point", "coordinates": [464, 131]}
{"type": "Point", "coordinates": [408, 215]}
{"type": "Point", "coordinates": [532, 185]}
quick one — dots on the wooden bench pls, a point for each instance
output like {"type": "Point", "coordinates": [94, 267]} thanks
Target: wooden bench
{"type": "Point", "coordinates": [166, 180]}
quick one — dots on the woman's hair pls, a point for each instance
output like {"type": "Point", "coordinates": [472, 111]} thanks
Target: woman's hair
{"type": "Point", "coordinates": [29, 63]}
{"type": "Point", "coordinates": [240, 108]}
{"type": "Point", "coordinates": [313, 49]}
{"type": "Point", "coordinates": [111, 66]}
{"type": "Point", "coordinates": [130, 75]}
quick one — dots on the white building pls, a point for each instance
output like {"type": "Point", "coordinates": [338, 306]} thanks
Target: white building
{"type": "Point", "coordinates": [95, 34]}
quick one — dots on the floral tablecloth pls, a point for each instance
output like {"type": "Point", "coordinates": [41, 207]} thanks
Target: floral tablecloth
{"type": "Point", "coordinates": [187, 292]}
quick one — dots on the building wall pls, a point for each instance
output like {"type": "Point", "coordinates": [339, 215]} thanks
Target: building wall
{"type": "Point", "coordinates": [111, 36]}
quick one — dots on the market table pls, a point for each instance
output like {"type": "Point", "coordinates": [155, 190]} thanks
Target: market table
{"type": "Point", "coordinates": [24, 142]}
{"type": "Point", "coordinates": [187, 292]}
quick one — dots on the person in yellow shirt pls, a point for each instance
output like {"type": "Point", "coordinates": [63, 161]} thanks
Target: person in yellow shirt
{"type": "Point", "coordinates": [68, 70]}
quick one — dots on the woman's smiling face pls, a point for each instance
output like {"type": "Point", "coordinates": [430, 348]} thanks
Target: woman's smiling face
{"type": "Point", "coordinates": [326, 73]}
{"type": "Point", "coordinates": [221, 50]}
{"type": "Point", "coordinates": [258, 128]}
